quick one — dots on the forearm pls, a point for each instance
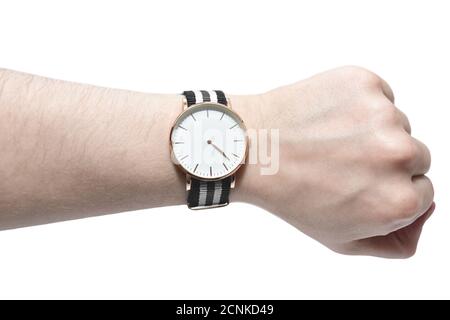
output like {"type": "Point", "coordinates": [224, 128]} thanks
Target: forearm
{"type": "Point", "coordinates": [71, 150]}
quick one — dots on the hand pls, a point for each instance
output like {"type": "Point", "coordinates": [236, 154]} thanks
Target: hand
{"type": "Point", "coordinates": [218, 149]}
{"type": "Point", "coordinates": [350, 175]}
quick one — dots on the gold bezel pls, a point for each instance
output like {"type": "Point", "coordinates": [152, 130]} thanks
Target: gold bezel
{"type": "Point", "coordinates": [196, 106]}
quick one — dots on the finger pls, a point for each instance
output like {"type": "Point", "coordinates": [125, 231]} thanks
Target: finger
{"type": "Point", "coordinates": [399, 244]}
{"type": "Point", "coordinates": [387, 90]}
{"type": "Point", "coordinates": [404, 120]}
{"type": "Point", "coordinates": [420, 197]}
{"type": "Point", "coordinates": [422, 161]}
{"type": "Point", "coordinates": [424, 189]}
{"type": "Point", "coordinates": [400, 115]}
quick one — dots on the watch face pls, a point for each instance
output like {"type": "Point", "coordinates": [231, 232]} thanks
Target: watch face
{"type": "Point", "coordinates": [209, 141]}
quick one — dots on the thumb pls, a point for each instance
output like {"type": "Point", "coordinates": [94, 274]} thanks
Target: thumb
{"type": "Point", "coordinates": [399, 244]}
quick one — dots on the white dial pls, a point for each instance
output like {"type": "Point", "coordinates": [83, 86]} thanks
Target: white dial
{"type": "Point", "coordinates": [209, 141]}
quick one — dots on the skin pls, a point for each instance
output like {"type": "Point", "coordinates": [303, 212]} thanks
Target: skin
{"type": "Point", "coordinates": [351, 176]}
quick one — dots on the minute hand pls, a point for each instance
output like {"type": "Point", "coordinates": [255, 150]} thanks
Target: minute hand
{"type": "Point", "coordinates": [218, 149]}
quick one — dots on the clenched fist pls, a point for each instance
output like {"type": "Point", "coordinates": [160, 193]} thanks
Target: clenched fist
{"type": "Point", "coordinates": [350, 173]}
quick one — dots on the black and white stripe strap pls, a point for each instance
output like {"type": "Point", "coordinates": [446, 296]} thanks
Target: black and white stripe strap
{"type": "Point", "coordinates": [207, 194]}
{"type": "Point", "coordinates": [199, 96]}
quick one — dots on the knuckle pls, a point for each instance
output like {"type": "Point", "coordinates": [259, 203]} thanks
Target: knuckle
{"type": "Point", "coordinates": [361, 74]}
{"type": "Point", "coordinates": [384, 112]}
{"type": "Point", "coordinates": [404, 204]}
{"type": "Point", "coordinates": [396, 208]}
{"type": "Point", "coordinates": [406, 151]}
{"type": "Point", "coordinates": [401, 151]}
{"type": "Point", "coordinates": [427, 155]}
{"type": "Point", "coordinates": [429, 185]}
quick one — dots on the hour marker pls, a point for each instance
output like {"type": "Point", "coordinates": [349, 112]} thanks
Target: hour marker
{"type": "Point", "coordinates": [234, 154]}
{"type": "Point", "coordinates": [234, 126]}
{"type": "Point", "coordinates": [193, 117]}
{"type": "Point", "coordinates": [178, 142]}
{"type": "Point", "coordinates": [210, 171]}
{"type": "Point", "coordinates": [180, 126]}
{"type": "Point", "coordinates": [225, 166]}
{"type": "Point", "coordinates": [222, 116]}
{"type": "Point", "coordinates": [237, 140]}
{"type": "Point", "coordinates": [184, 157]}
{"type": "Point", "coordinates": [207, 113]}
{"type": "Point", "coordinates": [196, 166]}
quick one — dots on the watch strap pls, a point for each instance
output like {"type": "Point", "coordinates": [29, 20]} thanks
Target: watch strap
{"type": "Point", "coordinates": [207, 194]}
{"type": "Point", "coordinates": [199, 96]}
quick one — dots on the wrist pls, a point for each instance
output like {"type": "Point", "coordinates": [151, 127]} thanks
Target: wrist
{"type": "Point", "coordinates": [252, 109]}
{"type": "Point", "coordinates": [154, 179]}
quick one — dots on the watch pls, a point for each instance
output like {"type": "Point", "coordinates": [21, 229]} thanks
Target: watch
{"type": "Point", "coordinates": [209, 144]}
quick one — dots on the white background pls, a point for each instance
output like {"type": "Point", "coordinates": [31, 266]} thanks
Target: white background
{"type": "Point", "coordinates": [241, 47]}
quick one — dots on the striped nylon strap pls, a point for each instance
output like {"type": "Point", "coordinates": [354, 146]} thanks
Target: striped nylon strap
{"type": "Point", "coordinates": [207, 194]}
